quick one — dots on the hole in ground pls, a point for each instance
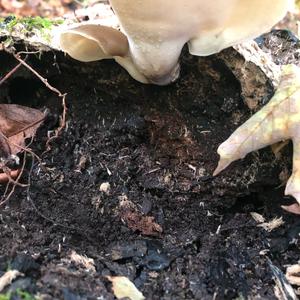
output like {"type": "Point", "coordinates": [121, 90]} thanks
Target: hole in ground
{"type": "Point", "coordinates": [24, 91]}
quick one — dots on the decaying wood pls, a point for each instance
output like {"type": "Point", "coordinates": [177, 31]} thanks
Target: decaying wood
{"type": "Point", "coordinates": [254, 69]}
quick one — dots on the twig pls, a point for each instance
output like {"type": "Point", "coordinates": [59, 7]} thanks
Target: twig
{"type": "Point", "coordinates": [12, 71]}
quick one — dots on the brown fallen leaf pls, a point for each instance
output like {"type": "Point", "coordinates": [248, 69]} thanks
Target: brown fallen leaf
{"type": "Point", "coordinates": [124, 288]}
{"type": "Point", "coordinates": [17, 123]}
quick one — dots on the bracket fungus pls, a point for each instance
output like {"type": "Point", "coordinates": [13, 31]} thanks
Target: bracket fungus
{"type": "Point", "coordinates": [153, 33]}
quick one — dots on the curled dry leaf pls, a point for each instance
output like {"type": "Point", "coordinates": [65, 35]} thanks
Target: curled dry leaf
{"type": "Point", "coordinates": [17, 123]}
{"type": "Point", "coordinates": [138, 222]}
{"type": "Point", "coordinates": [124, 288]}
{"type": "Point", "coordinates": [277, 121]}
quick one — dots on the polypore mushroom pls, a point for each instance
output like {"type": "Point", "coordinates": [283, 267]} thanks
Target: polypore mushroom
{"type": "Point", "coordinates": [155, 31]}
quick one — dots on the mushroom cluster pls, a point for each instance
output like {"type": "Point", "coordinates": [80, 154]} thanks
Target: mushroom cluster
{"type": "Point", "coordinates": [153, 33]}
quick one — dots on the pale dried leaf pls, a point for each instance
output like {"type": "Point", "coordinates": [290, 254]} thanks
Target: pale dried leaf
{"type": "Point", "coordinates": [293, 274]}
{"type": "Point", "coordinates": [271, 225]}
{"type": "Point", "coordinates": [8, 277]}
{"type": "Point", "coordinates": [83, 261]}
{"type": "Point", "coordinates": [257, 217]}
{"type": "Point", "coordinates": [279, 120]}
{"type": "Point", "coordinates": [124, 288]}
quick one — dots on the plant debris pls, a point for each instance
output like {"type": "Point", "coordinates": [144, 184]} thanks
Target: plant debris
{"type": "Point", "coordinates": [276, 121]}
{"type": "Point", "coordinates": [124, 288]}
{"type": "Point", "coordinates": [8, 277]}
{"type": "Point", "coordinates": [17, 123]}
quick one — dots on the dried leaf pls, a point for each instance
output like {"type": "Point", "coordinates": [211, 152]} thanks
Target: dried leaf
{"type": "Point", "coordinates": [124, 288]}
{"type": "Point", "coordinates": [83, 261]}
{"type": "Point", "coordinates": [279, 120]}
{"type": "Point", "coordinates": [16, 124]}
{"type": "Point", "coordinates": [268, 226]}
{"type": "Point", "coordinates": [8, 277]}
{"type": "Point", "coordinates": [145, 224]}
{"type": "Point", "coordinates": [257, 217]}
{"type": "Point", "coordinates": [293, 274]}
{"type": "Point", "coordinates": [271, 225]}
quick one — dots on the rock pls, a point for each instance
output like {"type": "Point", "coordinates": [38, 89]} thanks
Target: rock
{"type": "Point", "coordinates": [24, 263]}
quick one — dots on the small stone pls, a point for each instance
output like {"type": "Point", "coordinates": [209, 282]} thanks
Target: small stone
{"type": "Point", "coordinates": [156, 261]}
{"type": "Point", "coordinates": [128, 250]}
{"type": "Point", "coordinates": [105, 188]}
{"type": "Point", "coordinates": [24, 263]}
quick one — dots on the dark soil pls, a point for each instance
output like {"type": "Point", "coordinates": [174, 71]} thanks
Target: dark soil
{"type": "Point", "coordinates": [166, 223]}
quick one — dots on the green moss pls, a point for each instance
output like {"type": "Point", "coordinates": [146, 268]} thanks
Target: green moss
{"type": "Point", "coordinates": [21, 294]}
{"type": "Point", "coordinates": [27, 27]}
{"type": "Point", "coordinates": [29, 23]}
{"type": "Point", "coordinates": [6, 296]}
{"type": "Point", "coordinates": [25, 295]}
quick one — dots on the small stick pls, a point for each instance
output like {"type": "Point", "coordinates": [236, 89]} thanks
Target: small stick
{"type": "Point", "coordinates": [12, 71]}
